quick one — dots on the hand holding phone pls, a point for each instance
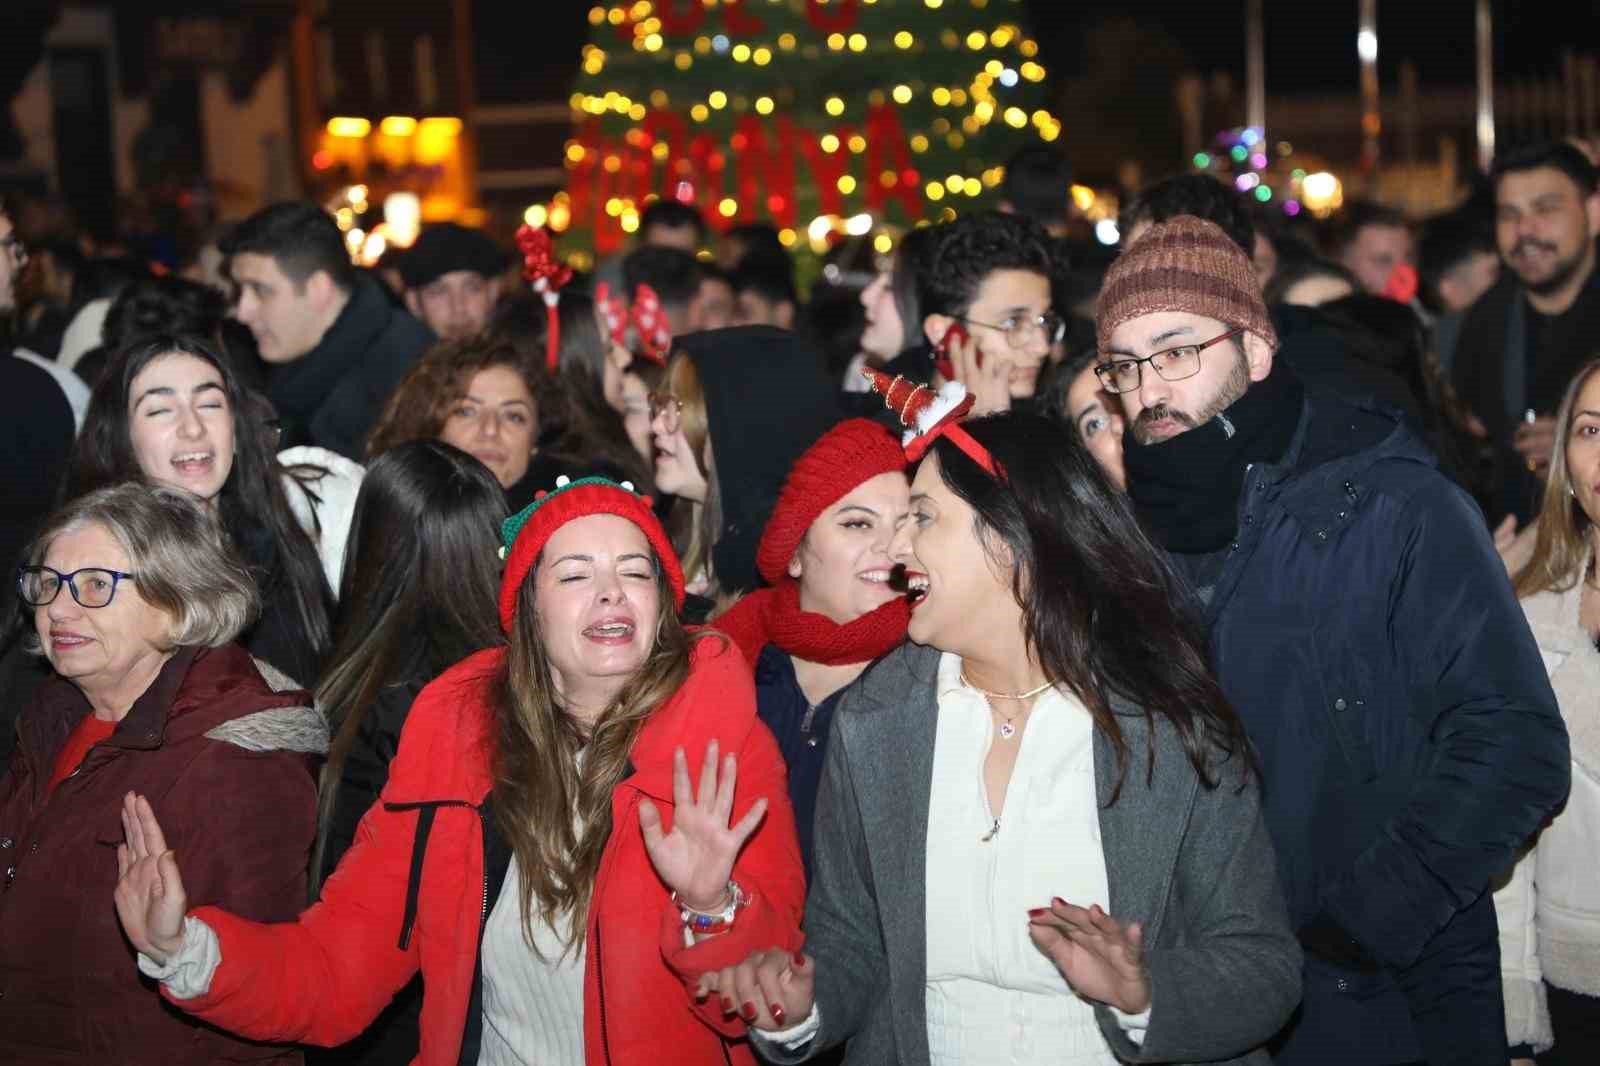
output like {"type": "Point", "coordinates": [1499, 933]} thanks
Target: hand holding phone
{"type": "Point", "coordinates": [953, 337]}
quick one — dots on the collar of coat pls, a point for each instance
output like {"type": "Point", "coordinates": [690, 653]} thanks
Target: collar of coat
{"type": "Point", "coordinates": [447, 753]}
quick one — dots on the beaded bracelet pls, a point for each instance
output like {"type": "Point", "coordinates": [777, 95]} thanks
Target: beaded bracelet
{"type": "Point", "coordinates": [703, 923]}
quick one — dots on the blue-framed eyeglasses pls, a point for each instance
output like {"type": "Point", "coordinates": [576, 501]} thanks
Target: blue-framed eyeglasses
{"type": "Point", "coordinates": [91, 586]}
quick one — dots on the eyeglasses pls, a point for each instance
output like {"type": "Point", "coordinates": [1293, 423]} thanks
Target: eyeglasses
{"type": "Point", "coordinates": [1170, 364]}
{"type": "Point", "coordinates": [13, 246]}
{"type": "Point", "coordinates": [40, 585]}
{"type": "Point", "coordinates": [668, 408]}
{"type": "Point", "coordinates": [1020, 330]}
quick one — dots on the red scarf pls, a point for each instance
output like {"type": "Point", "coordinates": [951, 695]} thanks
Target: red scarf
{"type": "Point", "coordinates": [773, 616]}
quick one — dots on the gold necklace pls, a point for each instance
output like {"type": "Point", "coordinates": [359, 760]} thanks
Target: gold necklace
{"type": "Point", "coordinates": [1008, 727]}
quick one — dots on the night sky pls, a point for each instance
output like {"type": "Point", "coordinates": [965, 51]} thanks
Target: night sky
{"type": "Point", "coordinates": [529, 50]}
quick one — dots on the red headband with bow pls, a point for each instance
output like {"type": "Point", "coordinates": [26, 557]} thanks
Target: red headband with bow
{"type": "Point", "coordinates": [645, 315]}
{"type": "Point", "coordinates": [547, 275]}
{"type": "Point", "coordinates": [929, 415]}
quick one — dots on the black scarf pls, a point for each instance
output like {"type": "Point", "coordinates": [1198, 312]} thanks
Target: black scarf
{"type": "Point", "coordinates": [1186, 489]}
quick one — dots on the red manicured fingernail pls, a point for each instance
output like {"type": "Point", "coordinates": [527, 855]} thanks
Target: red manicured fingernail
{"type": "Point", "coordinates": [727, 1005]}
{"type": "Point", "coordinates": [748, 1012]}
{"type": "Point", "coordinates": [701, 997]}
{"type": "Point", "coordinates": [800, 960]}
{"type": "Point", "coordinates": [777, 1013]}
{"type": "Point", "coordinates": [1036, 911]}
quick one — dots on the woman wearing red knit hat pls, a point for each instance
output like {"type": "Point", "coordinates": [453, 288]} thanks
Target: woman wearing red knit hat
{"type": "Point", "coordinates": [537, 852]}
{"type": "Point", "coordinates": [830, 611]}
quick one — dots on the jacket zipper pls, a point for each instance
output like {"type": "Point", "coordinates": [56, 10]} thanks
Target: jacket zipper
{"type": "Point", "coordinates": [600, 979]}
{"type": "Point", "coordinates": [806, 724]}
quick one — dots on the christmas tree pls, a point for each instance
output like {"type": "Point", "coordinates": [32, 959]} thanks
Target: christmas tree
{"type": "Point", "coordinates": [821, 116]}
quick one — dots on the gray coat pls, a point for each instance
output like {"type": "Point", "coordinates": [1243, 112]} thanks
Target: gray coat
{"type": "Point", "coordinates": [1194, 865]}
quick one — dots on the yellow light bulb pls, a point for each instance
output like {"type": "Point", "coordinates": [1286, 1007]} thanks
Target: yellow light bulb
{"type": "Point", "coordinates": [976, 40]}
{"type": "Point", "coordinates": [834, 106]}
{"type": "Point", "coordinates": [934, 191]}
{"type": "Point", "coordinates": [846, 184]}
{"type": "Point", "coordinates": [764, 105]}
{"type": "Point", "coordinates": [683, 60]}
{"type": "Point", "coordinates": [858, 42]}
{"type": "Point", "coordinates": [762, 56]}
{"type": "Point", "coordinates": [972, 186]}
{"type": "Point", "coordinates": [830, 143]}
{"type": "Point", "coordinates": [836, 42]}
{"type": "Point", "coordinates": [904, 39]}
{"type": "Point", "coordinates": [919, 143]}
{"type": "Point", "coordinates": [718, 99]}
{"type": "Point", "coordinates": [1016, 117]}
{"type": "Point", "coordinates": [902, 94]}
{"type": "Point", "coordinates": [699, 112]}
{"type": "Point", "coordinates": [787, 42]}
{"type": "Point", "coordinates": [575, 152]}
{"type": "Point", "coordinates": [787, 237]}
{"type": "Point", "coordinates": [858, 143]}
{"type": "Point", "coordinates": [741, 53]}
{"type": "Point", "coordinates": [883, 244]}
{"type": "Point", "coordinates": [728, 207]}
{"type": "Point", "coordinates": [597, 15]}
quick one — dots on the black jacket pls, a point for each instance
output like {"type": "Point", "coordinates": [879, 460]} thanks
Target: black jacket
{"type": "Point", "coordinates": [1365, 630]}
{"type": "Point", "coordinates": [767, 401]}
{"type": "Point", "coordinates": [393, 1038]}
{"type": "Point", "coordinates": [1487, 344]}
{"type": "Point", "coordinates": [334, 395]}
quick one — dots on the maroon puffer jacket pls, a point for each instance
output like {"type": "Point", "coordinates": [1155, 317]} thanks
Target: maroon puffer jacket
{"type": "Point", "coordinates": [227, 762]}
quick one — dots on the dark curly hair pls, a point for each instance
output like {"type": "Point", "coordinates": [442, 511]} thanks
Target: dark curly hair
{"type": "Point", "coordinates": [968, 250]}
{"type": "Point", "coordinates": [420, 404]}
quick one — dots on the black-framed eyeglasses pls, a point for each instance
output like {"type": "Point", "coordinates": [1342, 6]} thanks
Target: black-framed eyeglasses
{"type": "Point", "coordinates": [1020, 330]}
{"type": "Point", "coordinates": [1170, 364]}
{"type": "Point", "coordinates": [668, 408]}
{"type": "Point", "coordinates": [91, 586]}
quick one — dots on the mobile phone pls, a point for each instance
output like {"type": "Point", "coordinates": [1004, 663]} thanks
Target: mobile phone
{"type": "Point", "coordinates": [956, 334]}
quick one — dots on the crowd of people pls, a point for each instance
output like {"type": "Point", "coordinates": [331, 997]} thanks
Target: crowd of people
{"type": "Point", "coordinates": [1000, 653]}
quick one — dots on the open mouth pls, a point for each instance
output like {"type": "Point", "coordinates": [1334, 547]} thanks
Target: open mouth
{"type": "Point", "coordinates": [914, 583]}
{"type": "Point", "coordinates": [194, 463]}
{"type": "Point", "coordinates": [610, 631]}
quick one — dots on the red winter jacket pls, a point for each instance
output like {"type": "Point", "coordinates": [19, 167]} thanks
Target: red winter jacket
{"type": "Point", "coordinates": [227, 763]}
{"type": "Point", "coordinates": [414, 891]}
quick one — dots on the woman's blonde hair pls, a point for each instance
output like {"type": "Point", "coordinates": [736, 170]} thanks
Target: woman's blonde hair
{"type": "Point", "coordinates": [555, 813]}
{"type": "Point", "coordinates": [1561, 547]}
{"type": "Point", "coordinates": [693, 526]}
{"type": "Point", "coordinates": [184, 565]}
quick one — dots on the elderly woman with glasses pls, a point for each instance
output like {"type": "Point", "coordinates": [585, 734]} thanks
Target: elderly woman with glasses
{"type": "Point", "coordinates": [135, 601]}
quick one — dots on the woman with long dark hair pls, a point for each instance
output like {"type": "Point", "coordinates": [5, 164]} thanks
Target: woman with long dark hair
{"type": "Point", "coordinates": [539, 853]}
{"type": "Point", "coordinates": [421, 579]}
{"type": "Point", "coordinates": [169, 410]}
{"type": "Point", "coordinates": [1038, 837]}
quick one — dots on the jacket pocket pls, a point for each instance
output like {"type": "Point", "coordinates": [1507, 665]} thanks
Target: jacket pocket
{"type": "Point", "coordinates": [1344, 703]}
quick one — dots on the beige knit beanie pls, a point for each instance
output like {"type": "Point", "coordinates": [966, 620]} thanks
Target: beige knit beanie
{"type": "Point", "coordinates": [1183, 264]}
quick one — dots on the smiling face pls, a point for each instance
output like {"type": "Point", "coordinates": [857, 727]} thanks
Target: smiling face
{"type": "Point", "coordinates": [1159, 409]}
{"type": "Point", "coordinates": [1097, 417]}
{"type": "Point", "coordinates": [962, 598]}
{"type": "Point", "coordinates": [884, 332]}
{"type": "Point", "coordinates": [1005, 297]}
{"type": "Point", "coordinates": [1583, 450]}
{"type": "Point", "coordinates": [99, 648]}
{"type": "Point", "coordinates": [455, 305]}
{"type": "Point", "coordinates": [1545, 227]}
{"type": "Point", "coordinates": [181, 425]}
{"type": "Point", "coordinates": [843, 563]}
{"type": "Point", "coordinates": [496, 422]}
{"type": "Point", "coordinates": [598, 602]}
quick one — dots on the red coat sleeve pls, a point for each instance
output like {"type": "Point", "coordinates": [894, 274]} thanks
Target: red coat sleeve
{"type": "Point", "coordinates": [323, 977]}
{"type": "Point", "coordinates": [769, 869]}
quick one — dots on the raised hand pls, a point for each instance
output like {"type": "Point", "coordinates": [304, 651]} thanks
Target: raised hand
{"type": "Point", "coordinates": [1100, 958]}
{"type": "Point", "coordinates": [150, 897]}
{"type": "Point", "coordinates": [987, 379]}
{"type": "Point", "coordinates": [771, 990]}
{"type": "Point", "coordinates": [696, 858]}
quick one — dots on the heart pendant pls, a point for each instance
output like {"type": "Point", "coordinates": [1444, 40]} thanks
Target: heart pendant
{"type": "Point", "coordinates": [1007, 730]}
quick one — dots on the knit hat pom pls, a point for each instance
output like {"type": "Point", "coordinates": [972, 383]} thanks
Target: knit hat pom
{"type": "Point", "coordinates": [844, 458]}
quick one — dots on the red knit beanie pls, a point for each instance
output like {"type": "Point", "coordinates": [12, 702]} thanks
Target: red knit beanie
{"type": "Point", "coordinates": [848, 455]}
{"type": "Point", "coordinates": [526, 532]}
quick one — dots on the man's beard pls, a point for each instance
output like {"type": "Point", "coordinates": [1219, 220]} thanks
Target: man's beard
{"type": "Point", "coordinates": [1560, 275]}
{"type": "Point", "coordinates": [1237, 383]}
